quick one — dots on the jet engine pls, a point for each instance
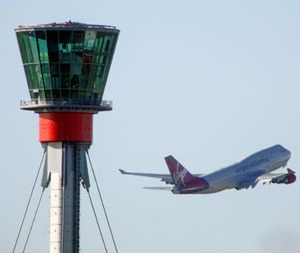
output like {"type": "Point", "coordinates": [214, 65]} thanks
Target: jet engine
{"type": "Point", "coordinates": [176, 190]}
{"type": "Point", "coordinates": [288, 178]}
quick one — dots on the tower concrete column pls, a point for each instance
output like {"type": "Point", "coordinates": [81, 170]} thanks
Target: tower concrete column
{"type": "Point", "coordinates": [64, 170]}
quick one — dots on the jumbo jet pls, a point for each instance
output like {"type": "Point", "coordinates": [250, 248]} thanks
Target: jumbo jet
{"type": "Point", "coordinates": [242, 175]}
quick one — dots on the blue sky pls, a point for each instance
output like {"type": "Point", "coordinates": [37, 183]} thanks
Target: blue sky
{"type": "Point", "coordinates": [209, 82]}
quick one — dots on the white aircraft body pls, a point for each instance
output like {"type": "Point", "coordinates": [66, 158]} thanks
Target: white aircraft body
{"type": "Point", "coordinates": [248, 172]}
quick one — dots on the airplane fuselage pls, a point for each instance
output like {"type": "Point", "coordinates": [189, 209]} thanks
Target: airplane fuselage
{"type": "Point", "coordinates": [243, 174]}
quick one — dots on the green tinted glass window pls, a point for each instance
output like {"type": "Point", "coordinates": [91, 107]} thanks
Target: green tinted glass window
{"type": "Point", "coordinates": [65, 81]}
{"type": "Point", "coordinates": [92, 76]}
{"type": "Point", "coordinates": [85, 71]}
{"type": "Point", "coordinates": [28, 54]}
{"type": "Point", "coordinates": [56, 94]}
{"type": "Point", "coordinates": [66, 64]}
{"type": "Point", "coordinates": [41, 94]}
{"type": "Point", "coordinates": [77, 46]}
{"type": "Point", "coordinates": [31, 76]}
{"type": "Point", "coordinates": [65, 68]}
{"type": "Point", "coordinates": [39, 76]}
{"type": "Point", "coordinates": [97, 83]}
{"type": "Point", "coordinates": [42, 46]}
{"type": "Point", "coordinates": [46, 75]}
{"type": "Point", "coordinates": [33, 47]}
{"type": "Point", "coordinates": [48, 94]}
{"type": "Point", "coordinates": [22, 46]}
{"type": "Point", "coordinates": [28, 77]}
{"type": "Point", "coordinates": [89, 41]}
{"type": "Point", "coordinates": [65, 46]}
{"type": "Point", "coordinates": [54, 68]}
{"type": "Point", "coordinates": [80, 94]}
{"type": "Point", "coordinates": [52, 43]}
{"type": "Point", "coordinates": [55, 81]}
{"type": "Point", "coordinates": [98, 44]}
{"type": "Point", "coordinates": [29, 48]}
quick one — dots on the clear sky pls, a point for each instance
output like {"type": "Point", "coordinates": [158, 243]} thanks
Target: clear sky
{"type": "Point", "coordinates": [209, 82]}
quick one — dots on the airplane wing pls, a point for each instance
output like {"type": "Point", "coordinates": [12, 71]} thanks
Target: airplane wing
{"type": "Point", "coordinates": [163, 177]}
{"type": "Point", "coordinates": [267, 178]}
{"type": "Point", "coordinates": [275, 178]}
{"type": "Point", "coordinates": [278, 178]}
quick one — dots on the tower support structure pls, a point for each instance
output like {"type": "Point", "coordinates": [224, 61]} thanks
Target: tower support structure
{"type": "Point", "coordinates": [65, 168]}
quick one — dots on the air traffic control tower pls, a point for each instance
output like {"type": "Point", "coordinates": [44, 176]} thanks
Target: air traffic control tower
{"type": "Point", "coordinates": [66, 66]}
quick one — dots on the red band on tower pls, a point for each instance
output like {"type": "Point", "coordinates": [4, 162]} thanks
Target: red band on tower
{"type": "Point", "coordinates": [65, 126]}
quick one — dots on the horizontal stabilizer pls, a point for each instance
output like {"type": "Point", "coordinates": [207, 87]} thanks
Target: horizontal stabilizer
{"type": "Point", "coordinates": [163, 177]}
{"type": "Point", "coordinates": [166, 188]}
{"type": "Point", "coordinates": [122, 171]}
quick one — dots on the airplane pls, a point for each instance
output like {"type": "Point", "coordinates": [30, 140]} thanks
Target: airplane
{"type": "Point", "coordinates": [247, 173]}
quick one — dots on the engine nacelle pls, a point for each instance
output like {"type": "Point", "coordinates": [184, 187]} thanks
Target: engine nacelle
{"type": "Point", "coordinates": [176, 190]}
{"type": "Point", "coordinates": [285, 179]}
{"type": "Point", "coordinates": [291, 178]}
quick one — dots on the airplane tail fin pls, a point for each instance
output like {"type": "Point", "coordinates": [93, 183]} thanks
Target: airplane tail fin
{"type": "Point", "coordinates": [180, 175]}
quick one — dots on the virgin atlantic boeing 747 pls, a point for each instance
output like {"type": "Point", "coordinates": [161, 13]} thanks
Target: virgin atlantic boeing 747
{"type": "Point", "coordinates": [248, 172]}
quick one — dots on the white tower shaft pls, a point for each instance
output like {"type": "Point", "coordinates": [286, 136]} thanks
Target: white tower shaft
{"type": "Point", "coordinates": [65, 167]}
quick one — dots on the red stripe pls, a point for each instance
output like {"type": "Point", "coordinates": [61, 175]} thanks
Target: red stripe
{"type": "Point", "coordinates": [65, 126]}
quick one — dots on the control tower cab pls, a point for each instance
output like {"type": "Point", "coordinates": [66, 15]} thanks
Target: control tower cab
{"type": "Point", "coordinates": [66, 66]}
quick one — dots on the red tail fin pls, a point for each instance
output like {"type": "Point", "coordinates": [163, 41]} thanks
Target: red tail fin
{"type": "Point", "coordinates": [180, 175]}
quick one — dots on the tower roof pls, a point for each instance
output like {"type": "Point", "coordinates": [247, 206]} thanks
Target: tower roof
{"type": "Point", "coordinates": [66, 26]}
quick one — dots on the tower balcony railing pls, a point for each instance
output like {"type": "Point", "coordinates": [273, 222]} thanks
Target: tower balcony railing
{"type": "Point", "coordinates": [37, 104]}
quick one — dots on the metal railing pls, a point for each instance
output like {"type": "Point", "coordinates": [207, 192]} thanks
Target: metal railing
{"type": "Point", "coordinates": [35, 103]}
